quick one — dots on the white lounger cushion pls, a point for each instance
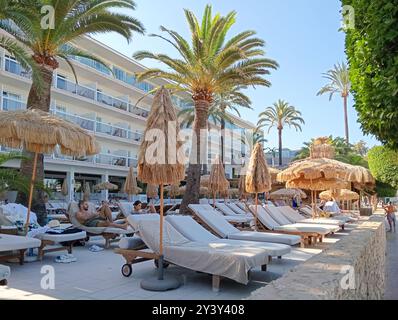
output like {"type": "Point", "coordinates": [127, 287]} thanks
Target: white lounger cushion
{"type": "Point", "coordinates": [134, 219]}
{"type": "Point", "coordinates": [295, 217]}
{"type": "Point", "coordinates": [236, 208]}
{"type": "Point", "coordinates": [227, 211]}
{"type": "Point", "coordinates": [282, 221]}
{"type": "Point", "coordinates": [220, 259]}
{"type": "Point", "coordinates": [57, 238]}
{"type": "Point", "coordinates": [10, 242]}
{"type": "Point", "coordinates": [226, 230]}
{"type": "Point", "coordinates": [193, 231]}
{"type": "Point", "coordinates": [233, 219]}
{"type": "Point", "coordinates": [271, 224]}
{"type": "Point", "coordinates": [131, 243]}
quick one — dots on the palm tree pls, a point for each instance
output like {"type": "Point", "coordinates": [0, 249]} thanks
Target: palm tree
{"type": "Point", "coordinates": [272, 151]}
{"type": "Point", "coordinates": [339, 83]}
{"type": "Point", "coordinates": [279, 115]}
{"type": "Point", "coordinates": [208, 66]}
{"type": "Point", "coordinates": [72, 20]}
{"type": "Point", "coordinates": [217, 114]}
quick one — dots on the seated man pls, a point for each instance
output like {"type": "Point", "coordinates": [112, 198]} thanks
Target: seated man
{"type": "Point", "coordinates": [100, 218]}
{"type": "Point", "coordinates": [137, 209]}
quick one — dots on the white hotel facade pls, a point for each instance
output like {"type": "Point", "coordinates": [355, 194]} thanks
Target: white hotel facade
{"type": "Point", "coordinates": [102, 103]}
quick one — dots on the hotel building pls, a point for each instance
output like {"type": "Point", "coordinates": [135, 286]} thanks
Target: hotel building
{"type": "Point", "coordinates": [103, 103]}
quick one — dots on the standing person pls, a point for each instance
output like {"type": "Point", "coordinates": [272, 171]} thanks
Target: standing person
{"type": "Point", "coordinates": [390, 213]}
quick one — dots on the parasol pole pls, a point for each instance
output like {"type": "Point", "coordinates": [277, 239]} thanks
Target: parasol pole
{"type": "Point", "coordinates": [255, 218]}
{"type": "Point", "coordinates": [32, 184]}
{"type": "Point", "coordinates": [160, 276]}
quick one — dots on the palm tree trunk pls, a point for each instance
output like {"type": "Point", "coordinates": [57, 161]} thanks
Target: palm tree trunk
{"type": "Point", "coordinates": [280, 145]}
{"type": "Point", "coordinates": [347, 136]}
{"type": "Point", "coordinates": [222, 133]}
{"type": "Point", "coordinates": [39, 98]}
{"type": "Point", "coordinates": [192, 191]}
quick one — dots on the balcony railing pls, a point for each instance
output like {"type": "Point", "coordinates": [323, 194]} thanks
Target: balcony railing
{"type": "Point", "coordinates": [102, 158]}
{"type": "Point", "coordinates": [11, 104]}
{"type": "Point", "coordinates": [14, 67]}
{"type": "Point", "coordinates": [100, 127]}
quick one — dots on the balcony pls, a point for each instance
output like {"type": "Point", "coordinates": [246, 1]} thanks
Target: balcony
{"type": "Point", "coordinates": [14, 67]}
{"type": "Point", "coordinates": [11, 104]}
{"type": "Point", "coordinates": [100, 127]}
{"type": "Point", "coordinates": [101, 159]}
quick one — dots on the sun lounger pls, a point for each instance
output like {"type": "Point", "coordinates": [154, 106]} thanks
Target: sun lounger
{"type": "Point", "coordinates": [219, 260]}
{"type": "Point", "coordinates": [108, 233]}
{"type": "Point", "coordinates": [193, 231]}
{"type": "Point", "coordinates": [310, 234]}
{"type": "Point", "coordinates": [294, 217]}
{"type": "Point", "coordinates": [18, 244]}
{"type": "Point", "coordinates": [225, 230]}
{"type": "Point", "coordinates": [5, 273]}
{"type": "Point", "coordinates": [307, 211]}
{"type": "Point", "coordinates": [232, 219]}
{"type": "Point", "coordinates": [227, 211]}
{"type": "Point", "coordinates": [276, 214]}
{"type": "Point", "coordinates": [58, 242]}
{"type": "Point", "coordinates": [234, 207]}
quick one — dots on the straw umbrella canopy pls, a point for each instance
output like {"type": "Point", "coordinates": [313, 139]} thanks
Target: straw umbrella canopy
{"type": "Point", "coordinates": [342, 194]}
{"type": "Point", "coordinates": [173, 190]}
{"type": "Point", "coordinates": [242, 187]}
{"type": "Point", "coordinates": [161, 134]}
{"type": "Point", "coordinates": [288, 194]}
{"type": "Point", "coordinates": [105, 186]}
{"type": "Point", "coordinates": [274, 174]}
{"type": "Point", "coordinates": [86, 192]}
{"type": "Point", "coordinates": [64, 188]}
{"type": "Point", "coordinates": [130, 186]}
{"type": "Point", "coordinates": [258, 178]}
{"type": "Point", "coordinates": [204, 181]}
{"type": "Point", "coordinates": [40, 132]}
{"type": "Point", "coordinates": [218, 183]}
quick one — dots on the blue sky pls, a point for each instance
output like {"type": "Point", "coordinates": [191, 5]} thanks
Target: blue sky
{"type": "Point", "coordinates": [302, 36]}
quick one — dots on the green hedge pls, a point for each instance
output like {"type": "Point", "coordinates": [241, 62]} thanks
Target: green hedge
{"type": "Point", "coordinates": [383, 163]}
{"type": "Point", "coordinates": [372, 50]}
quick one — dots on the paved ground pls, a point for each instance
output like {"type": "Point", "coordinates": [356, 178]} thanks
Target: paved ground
{"type": "Point", "coordinates": [97, 276]}
{"type": "Point", "coordinates": [392, 267]}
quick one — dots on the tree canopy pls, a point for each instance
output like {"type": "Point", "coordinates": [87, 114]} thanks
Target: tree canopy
{"type": "Point", "coordinates": [372, 50]}
{"type": "Point", "coordinates": [383, 163]}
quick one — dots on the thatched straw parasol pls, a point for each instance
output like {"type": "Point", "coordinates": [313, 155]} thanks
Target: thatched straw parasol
{"type": "Point", "coordinates": [321, 148]}
{"type": "Point", "coordinates": [274, 174]}
{"type": "Point", "coordinates": [288, 194]}
{"type": "Point", "coordinates": [105, 186]}
{"type": "Point", "coordinates": [40, 132]}
{"type": "Point", "coordinates": [242, 187]}
{"type": "Point", "coordinates": [152, 191]}
{"type": "Point", "coordinates": [161, 134]}
{"type": "Point", "coordinates": [130, 185]}
{"type": "Point", "coordinates": [204, 181]}
{"type": "Point", "coordinates": [173, 190]}
{"type": "Point", "coordinates": [86, 192]}
{"type": "Point", "coordinates": [341, 195]}
{"type": "Point", "coordinates": [65, 188]}
{"type": "Point", "coordinates": [258, 178]}
{"type": "Point", "coordinates": [218, 183]}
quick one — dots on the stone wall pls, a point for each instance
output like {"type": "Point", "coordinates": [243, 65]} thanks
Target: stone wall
{"type": "Point", "coordinates": [327, 275]}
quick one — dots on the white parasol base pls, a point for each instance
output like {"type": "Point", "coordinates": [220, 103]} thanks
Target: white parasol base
{"type": "Point", "coordinates": [160, 285]}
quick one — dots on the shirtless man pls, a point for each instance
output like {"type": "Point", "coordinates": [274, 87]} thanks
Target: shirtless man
{"type": "Point", "coordinates": [100, 218]}
{"type": "Point", "coordinates": [390, 213]}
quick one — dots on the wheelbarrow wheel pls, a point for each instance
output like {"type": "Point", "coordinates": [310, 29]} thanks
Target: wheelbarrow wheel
{"type": "Point", "coordinates": [127, 270]}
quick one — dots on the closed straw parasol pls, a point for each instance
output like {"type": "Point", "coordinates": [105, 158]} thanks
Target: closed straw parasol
{"type": "Point", "coordinates": [64, 188]}
{"type": "Point", "coordinates": [203, 191]}
{"type": "Point", "coordinates": [130, 186]}
{"type": "Point", "coordinates": [173, 190]}
{"type": "Point", "coordinates": [152, 191]}
{"type": "Point", "coordinates": [105, 186]}
{"type": "Point", "coordinates": [242, 187]}
{"type": "Point", "coordinates": [86, 192]}
{"type": "Point", "coordinates": [40, 132]}
{"type": "Point", "coordinates": [204, 181]}
{"type": "Point", "coordinates": [288, 194]}
{"type": "Point", "coordinates": [166, 168]}
{"type": "Point", "coordinates": [258, 178]}
{"type": "Point", "coordinates": [218, 183]}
